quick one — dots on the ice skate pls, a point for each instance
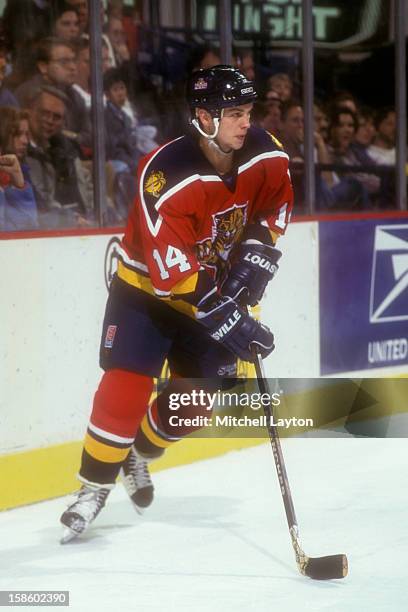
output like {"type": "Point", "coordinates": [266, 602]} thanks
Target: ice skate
{"type": "Point", "coordinates": [136, 479]}
{"type": "Point", "coordinates": [79, 515]}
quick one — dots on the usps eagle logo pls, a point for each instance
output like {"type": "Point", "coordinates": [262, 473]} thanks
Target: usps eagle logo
{"type": "Point", "coordinates": [389, 274]}
{"type": "Point", "coordinates": [154, 183]}
{"type": "Point", "coordinates": [200, 84]}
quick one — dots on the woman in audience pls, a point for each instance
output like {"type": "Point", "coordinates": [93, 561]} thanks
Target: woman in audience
{"type": "Point", "coordinates": [66, 25]}
{"type": "Point", "coordinates": [359, 189]}
{"type": "Point", "coordinates": [18, 208]}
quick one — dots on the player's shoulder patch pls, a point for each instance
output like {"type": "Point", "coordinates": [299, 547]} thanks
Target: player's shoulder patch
{"type": "Point", "coordinates": [154, 182]}
{"type": "Point", "coordinates": [167, 167]}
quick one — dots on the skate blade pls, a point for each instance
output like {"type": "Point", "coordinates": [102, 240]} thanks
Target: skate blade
{"type": "Point", "coordinates": [68, 535]}
{"type": "Point", "coordinates": [140, 511]}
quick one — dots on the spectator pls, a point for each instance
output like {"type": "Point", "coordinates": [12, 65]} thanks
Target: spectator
{"type": "Point", "coordinates": [344, 99]}
{"type": "Point", "coordinates": [382, 150]}
{"type": "Point", "coordinates": [66, 25]}
{"type": "Point", "coordinates": [82, 9]}
{"type": "Point", "coordinates": [82, 84]}
{"type": "Point", "coordinates": [321, 121]}
{"type": "Point", "coordinates": [25, 22]}
{"type": "Point", "coordinates": [130, 19]}
{"type": "Point", "coordinates": [244, 61]}
{"type": "Point", "coordinates": [120, 137]}
{"type": "Point", "coordinates": [57, 66]}
{"type": "Point", "coordinates": [117, 38]}
{"type": "Point", "coordinates": [273, 113]}
{"type": "Point", "coordinates": [293, 140]}
{"type": "Point", "coordinates": [203, 56]}
{"type": "Point", "coordinates": [62, 188]}
{"type": "Point", "coordinates": [7, 98]}
{"type": "Point", "coordinates": [366, 129]}
{"type": "Point", "coordinates": [282, 84]}
{"type": "Point", "coordinates": [18, 208]}
{"type": "Point", "coordinates": [359, 189]}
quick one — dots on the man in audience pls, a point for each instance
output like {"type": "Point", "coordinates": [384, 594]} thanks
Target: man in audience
{"type": "Point", "coordinates": [117, 38]}
{"type": "Point", "coordinates": [63, 190]}
{"type": "Point", "coordinates": [366, 129]}
{"type": "Point", "coordinates": [282, 84]}
{"type": "Point", "coordinates": [382, 150]}
{"type": "Point", "coordinates": [57, 66]}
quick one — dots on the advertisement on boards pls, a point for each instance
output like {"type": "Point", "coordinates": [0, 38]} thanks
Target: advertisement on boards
{"type": "Point", "coordinates": [363, 294]}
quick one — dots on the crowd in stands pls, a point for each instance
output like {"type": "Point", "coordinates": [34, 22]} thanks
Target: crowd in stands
{"type": "Point", "coordinates": [46, 155]}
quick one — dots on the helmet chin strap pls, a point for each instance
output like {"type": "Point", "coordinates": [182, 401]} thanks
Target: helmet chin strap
{"type": "Point", "coordinates": [211, 137]}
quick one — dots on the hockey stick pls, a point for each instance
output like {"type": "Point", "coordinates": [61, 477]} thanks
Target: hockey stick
{"type": "Point", "coordinates": [318, 568]}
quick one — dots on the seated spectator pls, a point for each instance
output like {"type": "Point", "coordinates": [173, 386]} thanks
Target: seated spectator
{"type": "Point", "coordinates": [120, 137]}
{"type": "Point", "coordinates": [321, 120]}
{"type": "Point", "coordinates": [116, 35]}
{"type": "Point", "coordinates": [273, 113]}
{"type": "Point", "coordinates": [366, 129]}
{"type": "Point", "coordinates": [57, 66]}
{"type": "Point", "coordinates": [63, 190]}
{"type": "Point", "coordinates": [244, 61]}
{"type": "Point", "coordinates": [82, 84]}
{"type": "Point", "coordinates": [203, 56]}
{"type": "Point", "coordinates": [382, 150]}
{"type": "Point", "coordinates": [25, 22]}
{"type": "Point", "coordinates": [282, 84]}
{"type": "Point", "coordinates": [82, 9]}
{"type": "Point", "coordinates": [18, 207]}
{"type": "Point", "coordinates": [130, 18]}
{"type": "Point", "coordinates": [7, 98]}
{"type": "Point", "coordinates": [292, 136]}
{"type": "Point", "coordinates": [344, 99]}
{"type": "Point", "coordinates": [359, 188]}
{"type": "Point", "coordinates": [14, 133]}
{"type": "Point", "coordinates": [66, 24]}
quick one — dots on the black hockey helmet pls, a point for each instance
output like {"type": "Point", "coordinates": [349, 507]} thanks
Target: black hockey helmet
{"type": "Point", "coordinates": [219, 87]}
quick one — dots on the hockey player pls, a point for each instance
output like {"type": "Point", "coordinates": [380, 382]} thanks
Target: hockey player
{"type": "Point", "coordinates": [198, 248]}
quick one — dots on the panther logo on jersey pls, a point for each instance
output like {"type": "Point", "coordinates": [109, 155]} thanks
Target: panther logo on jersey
{"type": "Point", "coordinates": [227, 228]}
{"type": "Point", "coordinates": [155, 183]}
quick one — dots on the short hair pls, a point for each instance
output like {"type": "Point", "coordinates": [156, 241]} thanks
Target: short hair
{"type": "Point", "coordinates": [287, 105]}
{"type": "Point", "coordinates": [50, 90]}
{"type": "Point", "coordinates": [46, 45]}
{"type": "Point", "coordinates": [112, 76]}
{"type": "Point", "coordinates": [381, 114]}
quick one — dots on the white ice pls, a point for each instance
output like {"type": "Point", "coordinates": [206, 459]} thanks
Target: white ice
{"type": "Point", "coordinates": [216, 538]}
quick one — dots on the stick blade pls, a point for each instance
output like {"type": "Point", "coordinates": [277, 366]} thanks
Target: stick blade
{"type": "Point", "coordinates": [326, 568]}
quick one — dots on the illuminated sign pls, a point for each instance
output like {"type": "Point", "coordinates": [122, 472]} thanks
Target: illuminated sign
{"type": "Point", "coordinates": [337, 23]}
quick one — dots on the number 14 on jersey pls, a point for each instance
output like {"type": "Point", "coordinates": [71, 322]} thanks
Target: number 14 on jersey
{"type": "Point", "coordinates": [174, 257]}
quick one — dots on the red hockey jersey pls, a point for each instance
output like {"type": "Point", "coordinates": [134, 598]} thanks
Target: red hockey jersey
{"type": "Point", "coordinates": [187, 218]}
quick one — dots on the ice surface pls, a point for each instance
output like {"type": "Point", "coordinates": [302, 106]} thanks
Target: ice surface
{"type": "Point", "coordinates": [216, 537]}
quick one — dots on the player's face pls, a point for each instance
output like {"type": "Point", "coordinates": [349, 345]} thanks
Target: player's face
{"type": "Point", "coordinates": [234, 126]}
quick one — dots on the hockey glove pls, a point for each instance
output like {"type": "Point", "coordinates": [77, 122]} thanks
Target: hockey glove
{"type": "Point", "coordinates": [253, 266]}
{"type": "Point", "coordinates": [229, 324]}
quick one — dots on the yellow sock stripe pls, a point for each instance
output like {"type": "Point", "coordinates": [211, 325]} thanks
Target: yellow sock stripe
{"type": "Point", "coordinates": [152, 436]}
{"type": "Point", "coordinates": [104, 452]}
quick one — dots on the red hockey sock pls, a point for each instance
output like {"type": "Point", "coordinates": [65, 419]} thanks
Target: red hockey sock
{"type": "Point", "coordinates": [120, 403]}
